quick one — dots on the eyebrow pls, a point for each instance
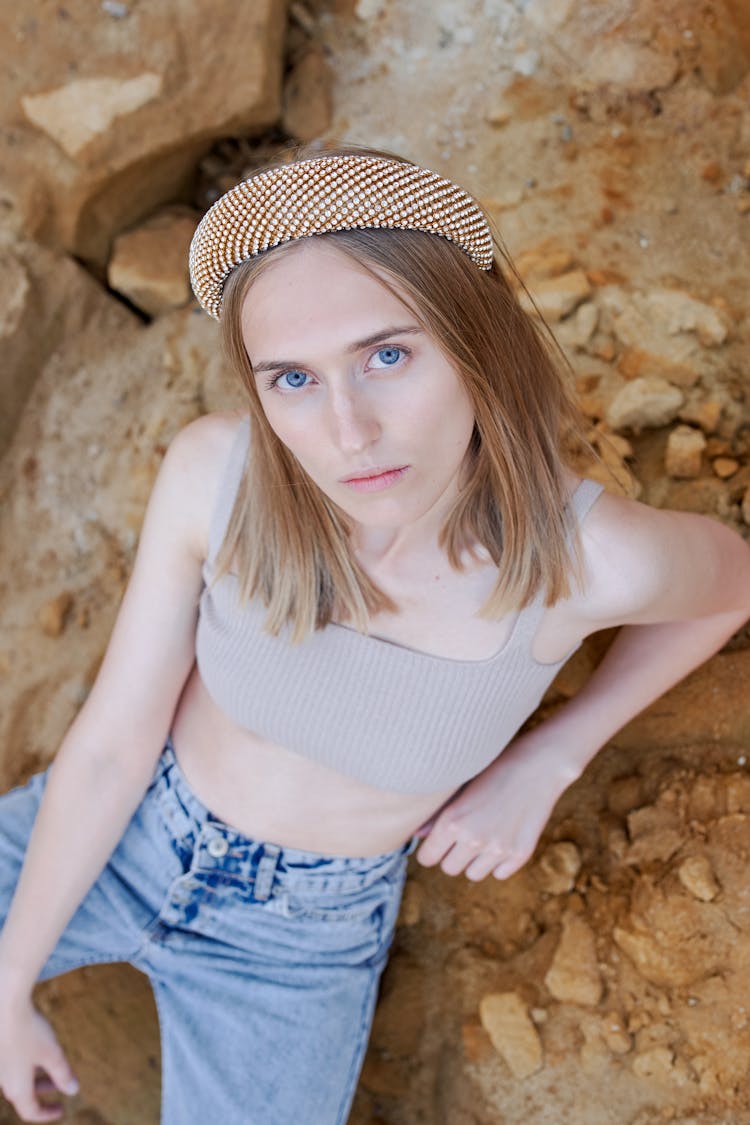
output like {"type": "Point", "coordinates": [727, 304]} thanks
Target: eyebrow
{"type": "Point", "coordinates": [357, 346]}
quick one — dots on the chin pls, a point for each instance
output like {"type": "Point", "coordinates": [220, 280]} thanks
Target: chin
{"type": "Point", "coordinates": [383, 515]}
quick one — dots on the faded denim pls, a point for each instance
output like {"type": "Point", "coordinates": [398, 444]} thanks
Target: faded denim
{"type": "Point", "coordinates": [264, 961]}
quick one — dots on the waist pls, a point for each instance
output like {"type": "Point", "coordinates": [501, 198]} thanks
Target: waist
{"type": "Point", "coordinates": [189, 815]}
{"type": "Point", "coordinates": [268, 792]}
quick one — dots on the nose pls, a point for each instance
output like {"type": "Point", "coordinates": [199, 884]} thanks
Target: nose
{"type": "Point", "coordinates": [354, 424]}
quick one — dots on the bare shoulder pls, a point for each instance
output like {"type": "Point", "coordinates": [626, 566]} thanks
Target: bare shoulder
{"type": "Point", "coordinates": [645, 564]}
{"type": "Point", "coordinates": [201, 449]}
{"type": "Point", "coordinates": [210, 436]}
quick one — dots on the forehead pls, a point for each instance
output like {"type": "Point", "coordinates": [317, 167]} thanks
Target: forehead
{"type": "Point", "coordinates": [313, 293]}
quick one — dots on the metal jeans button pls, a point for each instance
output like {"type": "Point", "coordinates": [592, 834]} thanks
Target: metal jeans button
{"type": "Point", "coordinates": [217, 846]}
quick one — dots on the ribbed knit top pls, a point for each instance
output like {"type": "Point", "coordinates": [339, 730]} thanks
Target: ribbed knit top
{"type": "Point", "coordinates": [388, 715]}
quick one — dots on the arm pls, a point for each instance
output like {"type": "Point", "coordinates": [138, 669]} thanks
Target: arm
{"type": "Point", "coordinates": [680, 585]}
{"type": "Point", "coordinates": [107, 758]}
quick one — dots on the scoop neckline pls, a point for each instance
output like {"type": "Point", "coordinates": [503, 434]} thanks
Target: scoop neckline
{"type": "Point", "coordinates": [407, 649]}
{"type": "Point", "coordinates": [420, 653]}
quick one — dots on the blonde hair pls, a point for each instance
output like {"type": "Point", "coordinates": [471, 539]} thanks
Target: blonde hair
{"type": "Point", "coordinates": [295, 556]}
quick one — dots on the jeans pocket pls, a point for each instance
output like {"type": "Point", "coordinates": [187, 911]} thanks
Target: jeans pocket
{"type": "Point", "coordinates": [335, 907]}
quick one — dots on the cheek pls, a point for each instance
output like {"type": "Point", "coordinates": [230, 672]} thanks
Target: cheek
{"type": "Point", "coordinates": [287, 434]}
{"type": "Point", "coordinates": [450, 421]}
{"type": "Point", "coordinates": [305, 447]}
{"type": "Point", "coordinates": [282, 422]}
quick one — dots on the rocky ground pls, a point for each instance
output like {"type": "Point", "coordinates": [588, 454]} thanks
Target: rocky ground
{"type": "Point", "coordinates": [609, 980]}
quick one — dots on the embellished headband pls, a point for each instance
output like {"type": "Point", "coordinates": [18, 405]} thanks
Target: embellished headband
{"type": "Point", "coordinates": [323, 194]}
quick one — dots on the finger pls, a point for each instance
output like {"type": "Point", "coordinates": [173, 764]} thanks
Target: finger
{"type": "Point", "coordinates": [440, 840]}
{"type": "Point", "coordinates": [508, 866]}
{"type": "Point", "coordinates": [42, 1113]}
{"type": "Point", "coordinates": [484, 864]}
{"type": "Point", "coordinates": [462, 853]}
{"type": "Point", "coordinates": [29, 1108]}
{"type": "Point", "coordinates": [502, 871]}
{"type": "Point", "coordinates": [60, 1070]}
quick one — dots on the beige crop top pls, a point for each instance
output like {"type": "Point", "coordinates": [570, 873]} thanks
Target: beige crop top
{"type": "Point", "coordinates": [388, 715]}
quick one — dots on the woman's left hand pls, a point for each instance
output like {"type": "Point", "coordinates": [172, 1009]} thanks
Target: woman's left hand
{"type": "Point", "coordinates": [495, 821]}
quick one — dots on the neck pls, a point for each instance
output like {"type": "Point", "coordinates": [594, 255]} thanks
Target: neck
{"type": "Point", "coordinates": [395, 545]}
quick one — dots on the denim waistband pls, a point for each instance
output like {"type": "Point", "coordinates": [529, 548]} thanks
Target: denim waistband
{"type": "Point", "coordinates": [217, 846]}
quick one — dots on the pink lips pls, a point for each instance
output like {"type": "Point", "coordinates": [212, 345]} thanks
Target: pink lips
{"type": "Point", "coordinates": [378, 481]}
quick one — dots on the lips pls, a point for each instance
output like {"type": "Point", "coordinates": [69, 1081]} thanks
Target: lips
{"type": "Point", "coordinates": [371, 473]}
{"type": "Point", "coordinates": [376, 481]}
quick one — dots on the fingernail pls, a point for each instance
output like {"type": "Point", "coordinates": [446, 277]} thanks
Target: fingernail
{"type": "Point", "coordinates": [72, 1087]}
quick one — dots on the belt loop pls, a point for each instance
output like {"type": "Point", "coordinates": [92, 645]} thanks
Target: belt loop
{"type": "Point", "coordinates": [266, 870]}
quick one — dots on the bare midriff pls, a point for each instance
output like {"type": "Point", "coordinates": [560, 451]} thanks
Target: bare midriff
{"type": "Point", "coordinates": [269, 793]}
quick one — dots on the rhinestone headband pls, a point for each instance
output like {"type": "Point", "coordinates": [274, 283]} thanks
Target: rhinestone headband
{"type": "Point", "coordinates": [325, 194]}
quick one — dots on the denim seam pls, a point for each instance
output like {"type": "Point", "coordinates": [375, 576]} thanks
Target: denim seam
{"type": "Point", "coordinates": [361, 1048]}
{"type": "Point", "coordinates": [66, 965]}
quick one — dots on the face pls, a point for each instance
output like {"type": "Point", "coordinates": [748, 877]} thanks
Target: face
{"type": "Point", "coordinates": [355, 388]}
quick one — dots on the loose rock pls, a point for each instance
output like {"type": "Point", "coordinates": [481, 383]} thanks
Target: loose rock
{"type": "Point", "coordinates": [725, 467]}
{"type": "Point", "coordinates": [679, 312]}
{"type": "Point", "coordinates": [684, 453]}
{"type": "Point", "coordinates": [559, 867]}
{"type": "Point", "coordinates": [544, 260]}
{"type": "Point", "coordinates": [506, 1020]}
{"type": "Point", "coordinates": [577, 330]}
{"type": "Point", "coordinates": [613, 1033]}
{"type": "Point", "coordinates": [696, 875]}
{"type": "Point", "coordinates": [53, 615]}
{"type": "Point", "coordinates": [499, 115]}
{"type": "Point", "coordinates": [646, 402]}
{"type": "Point", "coordinates": [574, 973]}
{"type": "Point", "coordinates": [149, 265]}
{"type": "Point", "coordinates": [656, 1063]}
{"type": "Point", "coordinates": [557, 296]}
{"type": "Point", "coordinates": [664, 332]}
{"type": "Point", "coordinates": [703, 412]}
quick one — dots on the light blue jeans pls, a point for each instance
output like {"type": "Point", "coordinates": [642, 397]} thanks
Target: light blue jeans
{"type": "Point", "coordinates": [264, 961]}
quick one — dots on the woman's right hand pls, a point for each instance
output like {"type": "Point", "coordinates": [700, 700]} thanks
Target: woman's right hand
{"type": "Point", "coordinates": [28, 1046]}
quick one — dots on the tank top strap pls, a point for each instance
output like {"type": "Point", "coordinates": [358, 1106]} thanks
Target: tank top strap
{"type": "Point", "coordinates": [228, 485]}
{"type": "Point", "coordinates": [529, 618]}
{"type": "Point", "coordinates": [583, 498]}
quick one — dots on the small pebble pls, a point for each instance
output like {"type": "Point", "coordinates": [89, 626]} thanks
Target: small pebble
{"type": "Point", "coordinates": [725, 467]}
{"type": "Point", "coordinates": [53, 615]}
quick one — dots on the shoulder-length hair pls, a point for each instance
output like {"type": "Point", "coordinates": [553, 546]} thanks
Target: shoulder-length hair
{"type": "Point", "coordinates": [290, 542]}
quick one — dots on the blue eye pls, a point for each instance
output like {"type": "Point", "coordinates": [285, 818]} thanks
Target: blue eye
{"type": "Point", "coordinates": [295, 380]}
{"type": "Point", "coordinates": [389, 356]}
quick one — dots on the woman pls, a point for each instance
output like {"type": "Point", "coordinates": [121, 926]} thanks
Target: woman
{"type": "Point", "coordinates": [345, 603]}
